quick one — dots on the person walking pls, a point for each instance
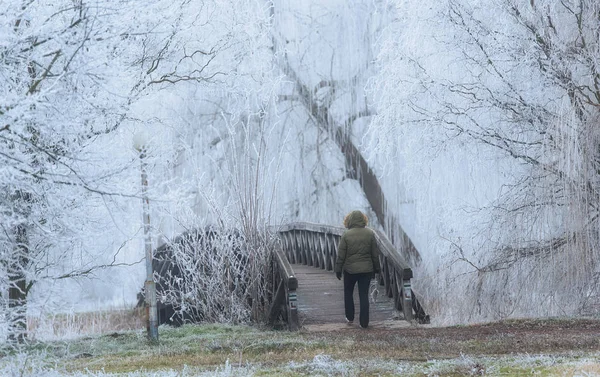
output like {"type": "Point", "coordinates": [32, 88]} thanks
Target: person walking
{"type": "Point", "coordinates": [358, 259]}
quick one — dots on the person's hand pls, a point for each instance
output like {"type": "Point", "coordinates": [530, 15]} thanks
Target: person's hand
{"type": "Point", "coordinates": [338, 275]}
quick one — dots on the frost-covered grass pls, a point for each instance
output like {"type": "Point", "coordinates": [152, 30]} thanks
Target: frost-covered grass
{"type": "Point", "coordinates": [325, 365]}
{"type": "Point", "coordinates": [224, 350]}
{"type": "Point", "coordinates": [71, 325]}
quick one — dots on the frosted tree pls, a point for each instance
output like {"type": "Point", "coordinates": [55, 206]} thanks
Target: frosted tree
{"type": "Point", "coordinates": [520, 79]}
{"type": "Point", "coordinates": [72, 75]}
{"type": "Point", "coordinates": [326, 51]}
{"type": "Point", "coordinates": [44, 128]}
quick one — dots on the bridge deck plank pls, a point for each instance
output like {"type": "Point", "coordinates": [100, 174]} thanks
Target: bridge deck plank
{"type": "Point", "coordinates": [321, 298]}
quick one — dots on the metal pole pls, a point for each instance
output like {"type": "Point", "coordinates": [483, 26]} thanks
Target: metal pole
{"type": "Point", "coordinates": [149, 285]}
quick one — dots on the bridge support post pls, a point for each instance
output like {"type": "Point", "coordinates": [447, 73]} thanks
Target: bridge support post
{"type": "Point", "coordinates": [407, 294]}
{"type": "Point", "coordinates": [292, 310]}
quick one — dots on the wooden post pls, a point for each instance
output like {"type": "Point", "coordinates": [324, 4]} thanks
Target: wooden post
{"type": "Point", "coordinates": [407, 294]}
{"type": "Point", "coordinates": [292, 310]}
{"type": "Point", "coordinates": [286, 291]}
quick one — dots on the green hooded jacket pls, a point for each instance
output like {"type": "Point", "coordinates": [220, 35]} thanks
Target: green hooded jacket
{"type": "Point", "coordinates": [357, 251]}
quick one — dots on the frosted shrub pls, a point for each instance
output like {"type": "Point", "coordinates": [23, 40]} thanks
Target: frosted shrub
{"type": "Point", "coordinates": [215, 275]}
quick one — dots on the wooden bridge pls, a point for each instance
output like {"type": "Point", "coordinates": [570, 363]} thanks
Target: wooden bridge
{"type": "Point", "coordinates": [305, 290]}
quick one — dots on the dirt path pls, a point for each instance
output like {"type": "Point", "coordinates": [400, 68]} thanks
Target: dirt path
{"type": "Point", "coordinates": [421, 342]}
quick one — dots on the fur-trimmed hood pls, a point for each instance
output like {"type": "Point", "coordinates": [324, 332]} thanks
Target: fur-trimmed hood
{"type": "Point", "coordinates": [355, 219]}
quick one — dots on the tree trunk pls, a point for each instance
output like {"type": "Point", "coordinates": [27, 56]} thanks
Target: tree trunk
{"type": "Point", "coordinates": [17, 293]}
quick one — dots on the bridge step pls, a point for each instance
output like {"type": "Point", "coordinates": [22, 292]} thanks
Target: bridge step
{"type": "Point", "coordinates": [321, 299]}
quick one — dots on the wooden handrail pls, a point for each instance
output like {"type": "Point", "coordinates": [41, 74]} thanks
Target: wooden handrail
{"type": "Point", "coordinates": [286, 270]}
{"type": "Point", "coordinates": [385, 246]}
{"type": "Point", "coordinates": [284, 296]}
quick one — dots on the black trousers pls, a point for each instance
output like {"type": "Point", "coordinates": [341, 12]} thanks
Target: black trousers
{"type": "Point", "coordinates": [363, 294]}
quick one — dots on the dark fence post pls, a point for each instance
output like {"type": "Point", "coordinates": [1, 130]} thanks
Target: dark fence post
{"type": "Point", "coordinates": [407, 294]}
{"type": "Point", "coordinates": [293, 323]}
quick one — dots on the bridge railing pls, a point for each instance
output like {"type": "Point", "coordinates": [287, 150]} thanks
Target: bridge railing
{"type": "Point", "coordinates": [284, 298]}
{"type": "Point", "coordinates": [316, 245]}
